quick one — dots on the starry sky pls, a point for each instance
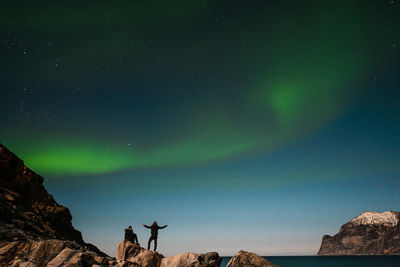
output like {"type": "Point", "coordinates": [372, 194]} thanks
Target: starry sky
{"type": "Point", "coordinates": [256, 125]}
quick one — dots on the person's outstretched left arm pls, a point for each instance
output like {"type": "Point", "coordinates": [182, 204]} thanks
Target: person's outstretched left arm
{"type": "Point", "coordinates": [162, 227]}
{"type": "Point", "coordinates": [146, 226]}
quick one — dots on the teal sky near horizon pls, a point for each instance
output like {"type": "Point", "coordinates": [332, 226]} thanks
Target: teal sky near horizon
{"type": "Point", "coordinates": [237, 123]}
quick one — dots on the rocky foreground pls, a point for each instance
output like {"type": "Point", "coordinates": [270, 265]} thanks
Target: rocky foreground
{"type": "Point", "coordinates": [129, 254]}
{"type": "Point", "coordinates": [36, 231]}
{"type": "Point", "coordinates": [371, 233]}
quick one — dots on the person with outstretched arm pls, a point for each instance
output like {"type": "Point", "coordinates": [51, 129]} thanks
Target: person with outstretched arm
{"type": "Point", "coordinates": [154, 234]}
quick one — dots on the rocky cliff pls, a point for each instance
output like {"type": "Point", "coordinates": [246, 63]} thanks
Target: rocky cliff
{"type": "Point", "coordinates": [34, 229]}
{"type": "Point", "coordinates": [27, 210]}
{"type": "Point", "coordinates": [371, 233]}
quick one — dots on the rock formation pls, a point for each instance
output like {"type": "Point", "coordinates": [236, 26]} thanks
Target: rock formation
{"type": "Point", "coordinates": [249, 259]}
{"type": "Point", "coordinates": [50, 252]}
{"type": "Point", "coordinates": [210, 259]}
{"type": "Point", "coordinates": [371, 233]}
{"type": "Point", "coordinates": [26, 209]}
{"type": "Point", "coordinates": [34, 229]}
{"type": "Point", "coordinates": [129, 254]}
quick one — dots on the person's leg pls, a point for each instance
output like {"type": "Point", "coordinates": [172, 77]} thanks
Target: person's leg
{"type": "Point", "coordinates": [148, 244]}
{"type": "Point", "coordinates": [155, 243]}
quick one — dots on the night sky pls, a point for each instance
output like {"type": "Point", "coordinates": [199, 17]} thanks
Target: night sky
{"type": "Point", "coordinates": [255, 125]}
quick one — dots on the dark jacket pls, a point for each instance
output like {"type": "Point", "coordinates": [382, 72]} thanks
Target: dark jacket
{"type": "Point", "coordinates": [154, 229]}
{"type": "Point", "coordinates": [131, 236]}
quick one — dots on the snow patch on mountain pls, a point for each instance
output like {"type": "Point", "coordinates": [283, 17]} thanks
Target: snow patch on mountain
{"type": "Point", "coordinates": [386, 218]}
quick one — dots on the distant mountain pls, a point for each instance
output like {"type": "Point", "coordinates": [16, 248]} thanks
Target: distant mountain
{"type": "Point", "coordinates": [371, 233]}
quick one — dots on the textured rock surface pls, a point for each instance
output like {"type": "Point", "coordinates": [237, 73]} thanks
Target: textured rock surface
{"type": "Point", "coordinates": [27, 210]}
{"type": "Point", "coordinates": [34, 229]}
{"type": "Point", "coordinates": [249, 259]}
{"type": "Point", "coordinates": [51, 252]}
{"type": "Point", "coordinates": [371, 233]}
{"type": "Point", "coordinates": [210, 259]}
{"type": "Point", "coordinates": [129, 254]}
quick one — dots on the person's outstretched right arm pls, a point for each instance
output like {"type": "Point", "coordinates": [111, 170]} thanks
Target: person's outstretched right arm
{"type": "Point", "coordinates": [146, 226]}
{"type": "Point", "coordinates": [162, 227]}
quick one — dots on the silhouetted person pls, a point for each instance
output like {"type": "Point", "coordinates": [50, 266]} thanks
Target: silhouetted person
{"type": "Point", "coordinates": [154, 233]}
{"type": "Point", "coordinates": [131, 236]}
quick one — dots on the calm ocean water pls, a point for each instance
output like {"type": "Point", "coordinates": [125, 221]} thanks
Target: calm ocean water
{"type": "Point", "coordinates": [331, 261]}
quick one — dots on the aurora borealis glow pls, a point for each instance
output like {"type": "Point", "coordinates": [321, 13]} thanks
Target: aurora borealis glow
{"type": "Point", "coordinates": [193, 97]}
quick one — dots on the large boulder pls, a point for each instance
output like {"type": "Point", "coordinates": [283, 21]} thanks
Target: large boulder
{"type": "Point", "coordinates": [249, 259]}
{"type": "Point", "coordinates": [210, 259]}
{"type": "Point", "coordinates": [371, 233]}
{"type": "Point", "coordinates": [50, 253]}
{"type": "Point", "coordinates": [129, 254]}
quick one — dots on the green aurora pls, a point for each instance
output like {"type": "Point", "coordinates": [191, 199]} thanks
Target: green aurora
{"type": "Point", "coordinates": [289, 79]}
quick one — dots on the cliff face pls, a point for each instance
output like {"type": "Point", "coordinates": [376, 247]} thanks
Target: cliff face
{"type": "Point", "coordinates": [27, 210]}
{"type": "Point", "coordinates": [34, 229]}
{"type": "Point", "coordinates": [371, 233]}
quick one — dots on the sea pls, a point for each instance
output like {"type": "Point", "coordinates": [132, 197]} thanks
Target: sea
{"type": "Point", "coordinates": [330, 261]}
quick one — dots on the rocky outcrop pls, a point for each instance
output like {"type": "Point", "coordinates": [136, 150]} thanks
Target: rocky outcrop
{"type": "Point", "coordinates": [210, 259]}
{"type": "Point", "coordinates": [371, 233]}
{"type": "Point", "coordinates": [27, 210]}
{"type": "Point", "coordinates": [249, 259]}
{"type": "Point", "coordinates": [51, 252]}
{"type": "Point", "coordinates": [129, 254]}
{"type": "Point", "coordinates": [34, 229]}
